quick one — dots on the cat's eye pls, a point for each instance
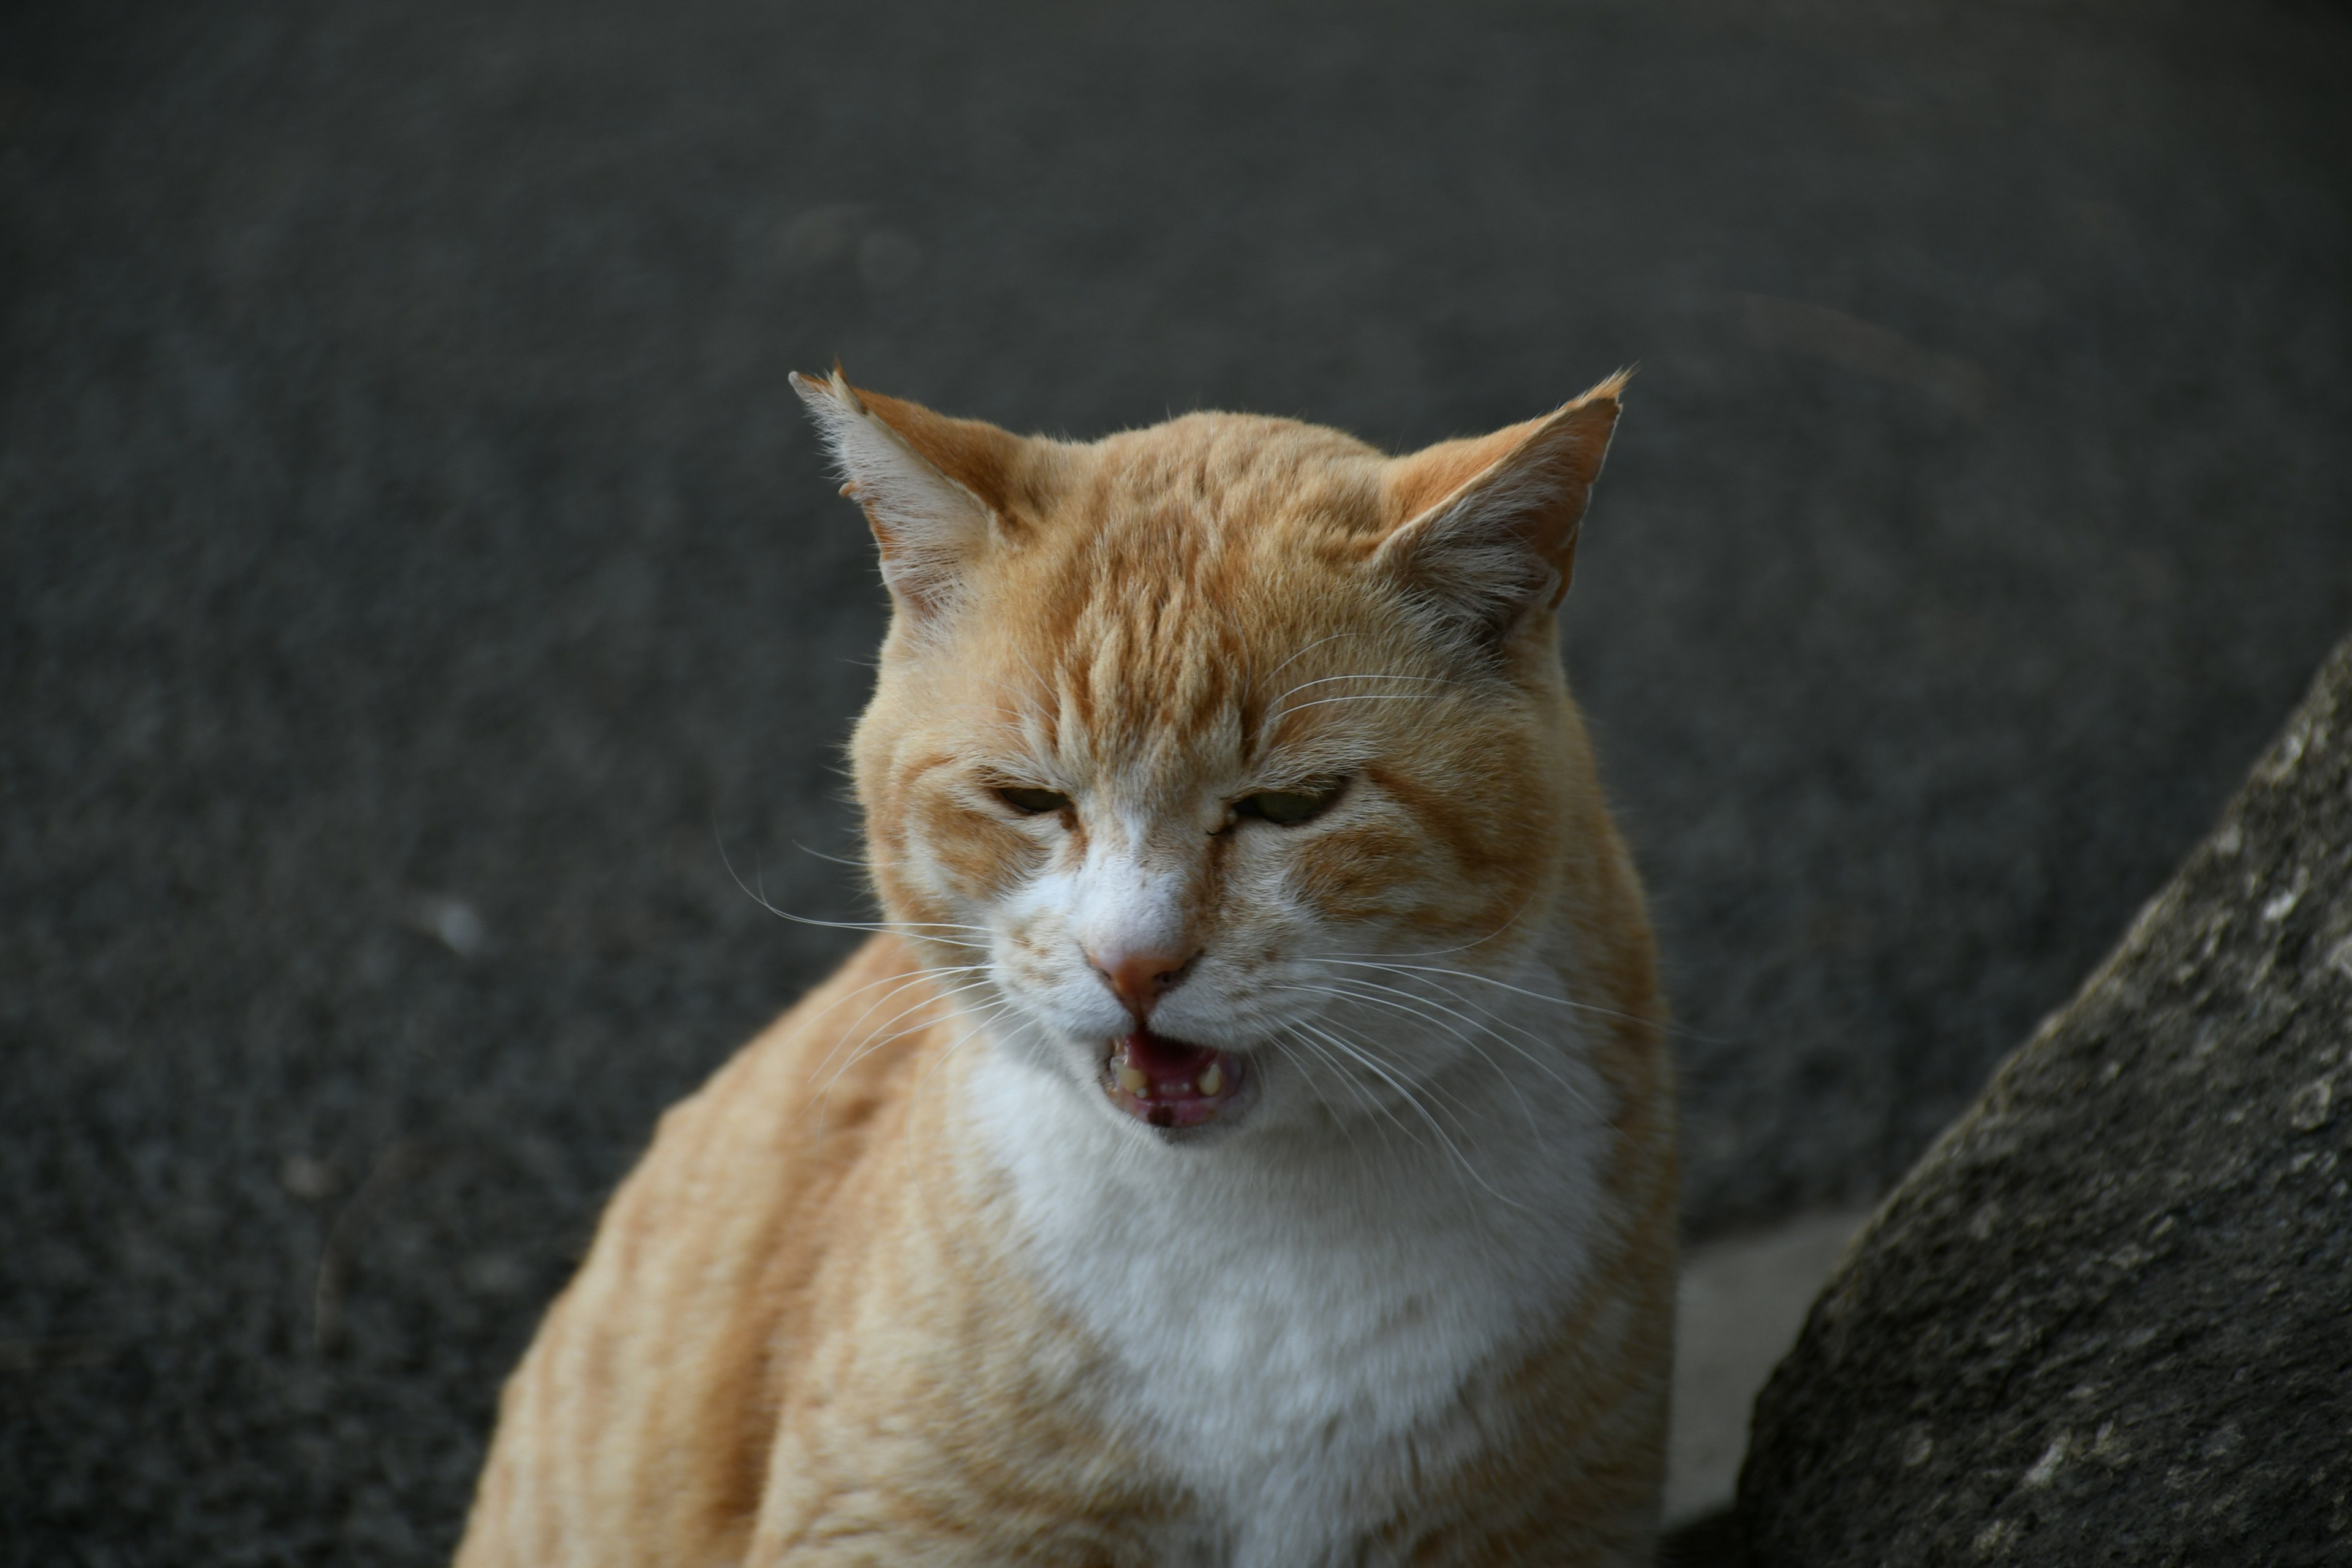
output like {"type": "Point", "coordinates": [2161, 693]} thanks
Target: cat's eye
{"type": "Point", "coordinates": [1288, 807]}
{"type": "Point", "coordinates": [1031, 802]}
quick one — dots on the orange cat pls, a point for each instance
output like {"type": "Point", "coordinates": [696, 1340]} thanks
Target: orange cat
{"type": "Point", "coordinates": [1250, 1141]}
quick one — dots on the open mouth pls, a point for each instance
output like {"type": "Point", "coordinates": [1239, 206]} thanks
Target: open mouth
{"type": "Point", "coordinates": [1167, 1083]}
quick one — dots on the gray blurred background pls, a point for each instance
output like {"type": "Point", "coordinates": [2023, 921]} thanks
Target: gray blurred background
{"type": "Point", "coordinates": [416, 584]}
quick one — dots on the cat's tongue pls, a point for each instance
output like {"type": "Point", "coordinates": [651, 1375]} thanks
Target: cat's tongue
{"type": "Point", "coordinates": [1169, 1083]}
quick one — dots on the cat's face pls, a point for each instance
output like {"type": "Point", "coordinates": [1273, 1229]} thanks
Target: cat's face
{"type": "Point", "coordinates": [1202, 756]}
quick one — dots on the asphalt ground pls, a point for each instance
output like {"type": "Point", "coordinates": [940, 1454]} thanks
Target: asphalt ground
{"type": "Point", "coordinates": [421, 603]}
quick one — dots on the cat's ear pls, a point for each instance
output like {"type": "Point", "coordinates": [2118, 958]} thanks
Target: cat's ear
{"type": "Point", "coordinates": [1488, 526]}
{"type": "Point", "coordinates": [934, 489]}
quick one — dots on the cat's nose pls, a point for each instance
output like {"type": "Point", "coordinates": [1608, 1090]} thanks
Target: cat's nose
{"type": "Point", "coordinates": [1138, 979]}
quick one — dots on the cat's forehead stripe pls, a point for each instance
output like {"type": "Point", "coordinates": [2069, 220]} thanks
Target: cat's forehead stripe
{"type": "Point", "coordinates": [1184, 570]}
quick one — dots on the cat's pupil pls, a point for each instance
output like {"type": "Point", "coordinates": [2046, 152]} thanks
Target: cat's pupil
{"type": "Point", "coordinates": [1032, 802]}
{"type": "Point", "coordinates": [1289, 806]}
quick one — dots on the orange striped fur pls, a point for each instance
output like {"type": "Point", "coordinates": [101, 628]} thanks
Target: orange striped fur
{"type": "Point", "coordinates": [1248, 1139]}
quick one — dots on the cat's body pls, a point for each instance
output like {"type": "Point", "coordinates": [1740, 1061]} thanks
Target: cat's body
{"type": "Point", "coordinates": [1253, 1144]}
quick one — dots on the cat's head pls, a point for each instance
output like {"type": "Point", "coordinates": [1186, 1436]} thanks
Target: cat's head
{"type": "Point", "coordinates": [1219, 765]}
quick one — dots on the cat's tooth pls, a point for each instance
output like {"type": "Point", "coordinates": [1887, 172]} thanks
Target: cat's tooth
{"type": "Point", "coordinates": [1213, 1082]}
{"type": "Point", "coordinates": [1131, 1079]}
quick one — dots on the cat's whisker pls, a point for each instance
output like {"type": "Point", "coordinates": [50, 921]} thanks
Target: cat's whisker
{"type": "Point", "coordinates": [1362, 697]}
{"type": "Point", "coordinates": [824, 1094]}
{"type": "Point", "coordinates": [1347, 1080]}
{"type": "Point", "coordinates": [982, 1021]}
{"type": "Point", "coordinates": [757, 895]}
{"type": "Point", "coordinates": [1486, 1022]}
{"type": "Point", "coordinates": [758, 873]}
{"type": "Point", "coordinates": [1474, 1213]}
{"type": "Point", "coordinates": [1457, 975]}
{"type": "Point", "coordinates": [941, 1059]}
{"type": "Point", "coordinates": [1334, 680]}
{"type": "Point", "coordinates": [1509, 1079]}
{"type": "Point", "coordinates": [1310, 647]}
{"type": "Point", "coordinates": [1416, 987]}
{"type": "Point", "coordinates": [860, 1040]}
{"type": "Point", "coordinates": [894, 928]}
{"type": "Point", "coordinates": [901, 980]}
{"type": "Point", "coordinates": [1616, 1014]}
{"type": "Point", "coordinates": [1437, 1013]}
{"type": "Point", "coordinates": [1539, 1051]}
{"type": "Point", "coordinates": [836, 859]}
{"type": "Point", "coordinates": [1346, 1124]}
{"type": "Point", "coordinates": [1503, 925]}
{"type": "Point", "coordinates": [1312, 1086]}
{"type": "Point", "coordinates": [1405, 1087]}
{"type": "Point", "coordinates": [916, 930]}
{"type": "Point", "coordinates": [1405, 1092]}
{"type": "Point", "coordinates": [898, 983]}
{"type": "Point", "coordinates": [1375, 674]}
{"type": "Point", "coordinates": [868, 1044]}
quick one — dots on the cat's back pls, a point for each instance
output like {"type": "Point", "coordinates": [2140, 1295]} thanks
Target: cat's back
{"type": "Point", "coordinates": [639, 1427]}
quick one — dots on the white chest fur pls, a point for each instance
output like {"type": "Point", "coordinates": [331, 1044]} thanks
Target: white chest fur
{"type": "Point", "coordinates": [1298, 1326]}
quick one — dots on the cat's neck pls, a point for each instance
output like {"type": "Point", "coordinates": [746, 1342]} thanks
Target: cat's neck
{"type": "Point", "coordinates": [1265, 1292]}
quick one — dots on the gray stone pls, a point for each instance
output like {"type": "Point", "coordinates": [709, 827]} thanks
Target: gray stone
{"type": "Point", "coordinates": [2108, 1317]}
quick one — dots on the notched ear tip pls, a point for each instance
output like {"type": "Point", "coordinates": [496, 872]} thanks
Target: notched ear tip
{"type": "Point", "coordinates": [848, 393]}
{"type": "Point", "coordinates": [827, 394]}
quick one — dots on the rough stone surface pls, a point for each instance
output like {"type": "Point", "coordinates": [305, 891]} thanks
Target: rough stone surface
{"type": "Point", "coordinates": [2108, 1319]}
{"type": "Point", "coordinates": [414, 567]}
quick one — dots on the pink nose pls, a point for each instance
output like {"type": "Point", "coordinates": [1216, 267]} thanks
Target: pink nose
{"type": "Point", "coordinates": [1138, 979]}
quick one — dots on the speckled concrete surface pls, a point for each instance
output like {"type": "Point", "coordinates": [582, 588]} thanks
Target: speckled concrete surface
{"type": "Point", "coordinates": [413, 574]}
